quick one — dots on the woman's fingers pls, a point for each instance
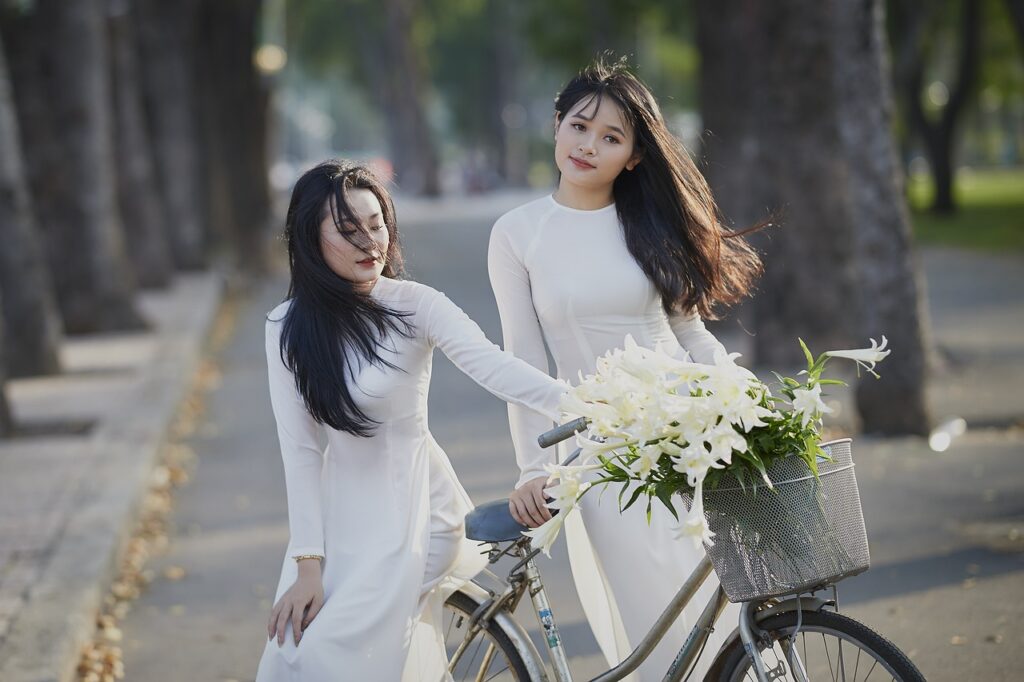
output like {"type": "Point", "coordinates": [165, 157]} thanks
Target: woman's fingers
{"type": "Point", "coordinates": [282, 622]}
{"type": "Point", "coordinates": [272, 623]}
{"type": "Point", "coordinates": [513, 507]}
{"type": "Point", "coordinates": [312, 610]}
{"type": "Point", "coordinates": [297, 623]}
{"type": "Point", "coordinates": [542, 503]}
{"type": "Point", "coordinates": [532, 510]}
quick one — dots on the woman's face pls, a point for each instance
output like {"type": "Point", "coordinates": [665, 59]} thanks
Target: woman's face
{"type": "Point", "coordinates": [593, 143]}
{"type": "Point", "coordinates": [362, 264]}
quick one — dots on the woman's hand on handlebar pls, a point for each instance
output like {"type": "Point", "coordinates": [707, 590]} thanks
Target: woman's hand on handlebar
{"type": "Point", "coordinates": [527, 503]}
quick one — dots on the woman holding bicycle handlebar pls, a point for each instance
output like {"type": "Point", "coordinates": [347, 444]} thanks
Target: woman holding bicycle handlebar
{"type": "Point", "coordinates": [376, 515]}
{"type": "Point", "coordinates": [629, 243]}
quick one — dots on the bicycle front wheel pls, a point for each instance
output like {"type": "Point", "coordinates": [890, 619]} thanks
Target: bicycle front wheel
{"type": "Point", "coordinates": [489, 655]}
{"type": "Point", "coordinates": [827, 646]}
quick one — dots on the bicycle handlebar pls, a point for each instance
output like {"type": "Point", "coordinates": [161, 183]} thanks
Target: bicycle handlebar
{"type": "Point", "coordinates": [560, 433]}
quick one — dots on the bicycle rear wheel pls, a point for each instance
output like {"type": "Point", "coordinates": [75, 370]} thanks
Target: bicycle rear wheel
{"type": "Point", "coordinates": [828, 645]}
{"type": "Point", "coordinates": [490, 656]}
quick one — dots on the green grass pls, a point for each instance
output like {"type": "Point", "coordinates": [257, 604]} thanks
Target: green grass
{"type": "Point", "coordinates": [989, 215]}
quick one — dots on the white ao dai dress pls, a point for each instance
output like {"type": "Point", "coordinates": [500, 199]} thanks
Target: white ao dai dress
{"type": "Point", "coordinates": [565, 278]}
{"type": "Point", "coordinates": [386, 511]}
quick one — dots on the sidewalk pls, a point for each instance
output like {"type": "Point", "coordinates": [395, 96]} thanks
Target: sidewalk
{"type": "Point", "coordinates": [69, 488]}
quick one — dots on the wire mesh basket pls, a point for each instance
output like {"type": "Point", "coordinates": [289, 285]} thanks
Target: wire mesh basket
{"type": "Point", "coordinates": [801, 535]}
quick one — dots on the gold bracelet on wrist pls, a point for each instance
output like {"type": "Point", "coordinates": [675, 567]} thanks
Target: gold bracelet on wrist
{"type": "Point", "coordinates": [300, 557]}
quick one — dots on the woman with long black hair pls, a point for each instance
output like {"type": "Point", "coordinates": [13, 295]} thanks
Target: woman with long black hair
{"type": "Point", "coordinates": [629, 243]}
{"type": "Point", "coordinates": [375, 511]}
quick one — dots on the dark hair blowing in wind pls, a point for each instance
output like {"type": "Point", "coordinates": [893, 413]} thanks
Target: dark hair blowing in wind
{"type": "Point", "coordinates": [332, 329]}
{"type": "Point", "coordinates": [672, 226]}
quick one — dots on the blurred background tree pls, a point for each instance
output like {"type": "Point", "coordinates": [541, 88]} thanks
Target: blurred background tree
{"type": "Point", "coordinates": [29, 318]}
{"type": "Point", "coordinates": [156, 138]}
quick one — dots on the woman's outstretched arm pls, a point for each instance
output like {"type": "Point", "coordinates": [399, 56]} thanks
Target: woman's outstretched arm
{"type": "Point", "coordinates": [521, 336]}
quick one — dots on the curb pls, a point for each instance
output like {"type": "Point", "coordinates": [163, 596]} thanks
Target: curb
{"type": "Point", "coordinates": [45, 639]}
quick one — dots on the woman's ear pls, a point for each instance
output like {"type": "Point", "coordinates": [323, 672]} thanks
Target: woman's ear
{"type": "Point", "coordinates": [558, 119]}
{"type": "Point", "coordinates": [634, 160]}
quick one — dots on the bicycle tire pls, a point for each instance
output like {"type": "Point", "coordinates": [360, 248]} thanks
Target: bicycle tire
{"type": "Point", "coordinates": [461, 604]}
{"type": "Point", "coordinates": [732, 664]}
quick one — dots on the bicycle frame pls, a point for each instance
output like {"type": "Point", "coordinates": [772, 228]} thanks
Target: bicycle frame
{"type": "Point", "coordinates": [525, 577]}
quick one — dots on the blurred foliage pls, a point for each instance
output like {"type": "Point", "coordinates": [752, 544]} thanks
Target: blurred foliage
{"type": "Point", "coordinates": [479, 54]}
{"type": "Point", "coordinates": [1001, 73]}
{"type": "Point", "coordinates": [1002, 62]}
{"type": "Point", "coordinates": [546, 42]}
{"type": "Point", "coordinates": [991, 214]}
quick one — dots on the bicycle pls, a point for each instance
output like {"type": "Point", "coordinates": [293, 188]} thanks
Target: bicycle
{"type": "Point", "coordinates": [776, 637]}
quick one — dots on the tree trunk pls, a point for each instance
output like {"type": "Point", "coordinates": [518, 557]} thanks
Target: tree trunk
{"type": "Point", "coordinates": [940, 137]}
{"type": "Point", "coordinates": [1016, 9]}
{"type": "Point", "coordinates": [6, 423]}
{"type": "Point", "coordinates": [29, 309]}
{"type": "Point", "coordinates": [413, 149]}
{"type": "Point", "coordinates": [510, 116]}
{"type": "Point", "coordinates": [142, 211]}
{"type": "Point", "coordinates": [891, 302]}
{"type": "Point", "coordinates": [235, 116]}
{"type": "Point", "coordinates": [782, 153]}
{"type": "Point", "coordinates": [166, 36]}
{"type": "Point", "coordinates": [70, 160]}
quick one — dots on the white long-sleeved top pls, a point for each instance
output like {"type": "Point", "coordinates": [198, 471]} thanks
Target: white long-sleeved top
{"type": "Point", "coordinates": [387, 510]}
{"type": "Point", "coordinates": [565, 278]}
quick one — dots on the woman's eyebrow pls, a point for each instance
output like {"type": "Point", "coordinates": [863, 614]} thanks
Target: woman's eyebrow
{"type": "Point", "coordinates": [615, 129]}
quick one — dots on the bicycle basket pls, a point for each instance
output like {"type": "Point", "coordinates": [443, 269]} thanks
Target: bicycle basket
{"type": "Point", "coordinates": [802, 535]}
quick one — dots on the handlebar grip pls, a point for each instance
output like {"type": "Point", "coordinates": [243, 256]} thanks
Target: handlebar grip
{"type": "Point", "coordinates": [560, 433]}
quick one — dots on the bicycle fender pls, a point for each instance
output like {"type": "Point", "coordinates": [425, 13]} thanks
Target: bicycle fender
{"type": "Point", "coordinates": [520, 639]}
{"type": "Point", "coordinates": [785, 606]}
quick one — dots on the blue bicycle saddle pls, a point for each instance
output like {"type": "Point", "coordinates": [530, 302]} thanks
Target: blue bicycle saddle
{"type": "Point", "coordinates": [492, 522]}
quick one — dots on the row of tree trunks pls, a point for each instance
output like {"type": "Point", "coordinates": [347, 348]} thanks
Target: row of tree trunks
{"type": "Point", "coordinates": [101, 160]}
{"type": "Point", "coordinates": [58, 57]}
{"type": "Point", "coordinates": [28, 306]}
{"type": "Point", "coordinates": [799, 125]}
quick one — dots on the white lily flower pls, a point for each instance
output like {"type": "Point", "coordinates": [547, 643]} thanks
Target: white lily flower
{"type": "Point", "coordinates": [723, 439]}
{"type": "Point", "coordinates": [864, 357]}
{"type": "Point", "coordinates": [570, 487]}
{"type": "Point", "coordinates": [807, 402]}
{"type": "Point", "coordinates": [545, 534]}
{"type": "Point", "coordinates": [695, 525]}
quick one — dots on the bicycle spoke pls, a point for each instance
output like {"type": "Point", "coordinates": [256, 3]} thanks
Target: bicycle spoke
{"type": "Point", "coordinates": [840, 664]}
{"type": "Point", "coordinates": [824, 644]}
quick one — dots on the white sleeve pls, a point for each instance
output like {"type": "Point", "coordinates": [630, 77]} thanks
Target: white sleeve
{"type": "Point", "coordinates": [502, 374]}
{"type": "Point", "coordinates": [522, 336]}
{"type": "Point", "coordinates": [300, 451]}
{"type": "Point", "coordinates": [694, 337]}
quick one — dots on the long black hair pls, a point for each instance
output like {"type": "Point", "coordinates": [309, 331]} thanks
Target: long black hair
{"type": "Point", "coordinates": [671, 223]}
{"type": "Point", "coordinates": [331, 328]}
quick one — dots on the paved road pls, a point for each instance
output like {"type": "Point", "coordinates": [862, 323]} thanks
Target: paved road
{"type": "Point", "coordinates": [948, 573]}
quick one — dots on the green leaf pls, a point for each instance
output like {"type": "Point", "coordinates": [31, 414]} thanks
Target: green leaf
{"type": "Point", "coordinates": [807, 354]}
{"type": "Point", "coordinates": [665, 495]}
{"type": "Point", "coordinates": [632, 499]}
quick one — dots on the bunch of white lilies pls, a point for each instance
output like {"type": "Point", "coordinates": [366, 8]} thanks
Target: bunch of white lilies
{"type": "Point", "coordinates": [646, 408]}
